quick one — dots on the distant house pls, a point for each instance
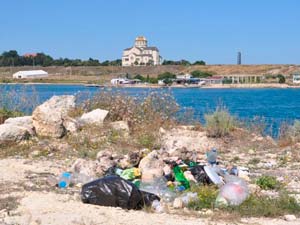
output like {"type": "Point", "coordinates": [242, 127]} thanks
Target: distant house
{"type": "Point", "coordinates": [141, 54]}
{"type": "Point", "coordinates": [296, 78]}
{"type": "Point", "coordinates": [119, 81]}
{"type": "Point", "coordinates": [30, 74]}
{"type": "Point", "coordinates": [213, 80]}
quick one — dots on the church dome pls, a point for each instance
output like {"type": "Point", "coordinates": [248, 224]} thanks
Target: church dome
{"type": "Point", "coordinates": [140, 38]}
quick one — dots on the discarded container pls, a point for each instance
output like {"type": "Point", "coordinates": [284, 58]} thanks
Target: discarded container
{"type": "Point", "coordinates": [160, 188]}
{"type": "Point", "coordinates": [189, 197]}
{"type": "Point", "coordinates": [117, 192]}
{"type": "Point", "coordinates": [64, 180]}
{"type": "Point", "coordinates": [79, 178]}
{"type": "Point", "coordinates": [212, 156]}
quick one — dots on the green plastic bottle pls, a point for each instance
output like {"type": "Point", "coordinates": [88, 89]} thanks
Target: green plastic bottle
{"type": "Point", "coordinates": [179, 176]}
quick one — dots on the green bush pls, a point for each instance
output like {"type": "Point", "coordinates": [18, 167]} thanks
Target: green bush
{"type": "Point", "coordinates": [201, 74]}
{"type": "Point", "coordinates": [220, 123]}
{"type": "Point", "coordinates": [263, 206]}
{"type": "Point", "coordinates": [5, 114]}
{"type": "Point", "coordinates": [268, 183]}
{"type": "Point", "coordinates": [206, 197]}
{"type": "Point", "coordinates": [281, 79]}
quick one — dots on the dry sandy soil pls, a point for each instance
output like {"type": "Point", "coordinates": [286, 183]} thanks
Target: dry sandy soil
{"type": "Point", "coordinates": [102, 74]}
{"type": "Point", "coordinates": [27, 198]}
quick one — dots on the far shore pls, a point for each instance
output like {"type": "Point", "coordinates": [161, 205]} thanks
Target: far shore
{"type": "Point", "coordinates": [211, 86]}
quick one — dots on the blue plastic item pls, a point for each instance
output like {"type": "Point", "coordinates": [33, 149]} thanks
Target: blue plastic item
{"type": "Point", "coordinates": [64, 180]}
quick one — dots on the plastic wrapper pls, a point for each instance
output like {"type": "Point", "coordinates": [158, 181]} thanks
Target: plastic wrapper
{"type": "Point", "coordinates": [159, 187]}
{"type": "Point", "coordinates": [116, 192]}
{"type": "Point", "coordinates": [200, 175]}
{"type": "Point", "coordinates": [234, 192]}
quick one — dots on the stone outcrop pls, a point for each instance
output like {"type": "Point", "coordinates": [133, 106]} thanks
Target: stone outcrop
{"type": "Point", "coordinates": [48, 118]}
{"type": "Point", "coordinates": [181, 138]}
{"type": "Point", "coordinates": [25, 122]}
{"type": "Point", "coordinates": [95, 117]}
{"type": "Point", "coordinates": [12, 133]}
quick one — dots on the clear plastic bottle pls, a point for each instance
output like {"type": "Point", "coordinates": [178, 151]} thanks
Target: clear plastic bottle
{"type": "Point", "coordinates": [64, 180]}
{"type": "Point", "coordinates": [212, 156]}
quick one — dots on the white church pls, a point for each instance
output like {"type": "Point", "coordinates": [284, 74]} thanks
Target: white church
{"type": "Point", "coordinates": [140, 54]}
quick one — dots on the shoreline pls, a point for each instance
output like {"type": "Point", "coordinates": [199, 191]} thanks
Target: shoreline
{"type": "Point", "coordinates": [211, 86]}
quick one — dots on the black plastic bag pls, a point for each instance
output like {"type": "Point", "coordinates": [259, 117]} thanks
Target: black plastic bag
{"type": "Point", "coordinates": [117, 192]}
{"type": "Point", "coordinates": [200, 175]}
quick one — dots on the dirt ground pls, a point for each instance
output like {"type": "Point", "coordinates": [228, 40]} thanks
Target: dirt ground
{"type": "Point", "coordinates": [28, 198]}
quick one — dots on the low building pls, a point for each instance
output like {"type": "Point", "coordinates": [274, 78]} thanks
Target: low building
{"type": "Point", "coordinates": [212, 80]}
{"type": "Point", "coordinates": [140, 54]}
{"type": "Point", "coordinates": [120, 81]}
{"type": "Point", "coordinates": [30, 74]}
{"type": "Point", "coordinates": [296, 78]}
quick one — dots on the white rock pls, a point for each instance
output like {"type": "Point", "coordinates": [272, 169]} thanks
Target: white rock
{"type": "Point", "coordinates": [24, 121]}
{"type": "Point", "coordinates": [179, 138]}
{"type": "Point", "coordinates": [86, 167]}
{"type": "Point", "coordinates": [95, 117]}
{"type": "Point", "coordinates": [178, 203]}
{"type": "Point", "coordinates": [12, 133]}
{"type": "Point", "coordinates": [71, 125]}
{"type": "Point", "coordinates": [120, 126]}
{"type": "Point", "coordinates": [48, 118]}
{"type": "Point", "coordinates": [290, 217]}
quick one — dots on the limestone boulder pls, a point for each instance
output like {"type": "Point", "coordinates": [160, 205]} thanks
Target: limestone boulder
{"type": "Point", "coordinates": [186, 139]}
{"type": "Point", "coordinates": [120, 126]}
{"type": "Point", "coordinates": [48, 118]}
{"type": "Point", "coordinates": [12, 133]}
{"type": "Point", "coordinates": [85, 167]}
{"type": "Point", "coordinates": [95, 117]}
{"type": "Point", "coordinates": [151, 167]}
{"type": "Point", "coordinates": [71, 125]}
{"type": "Point", "coordinates": [24, 121]}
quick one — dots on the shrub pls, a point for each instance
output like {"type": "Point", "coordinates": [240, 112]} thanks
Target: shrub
{"type": "Point", "coordinates": [5, 114]}
{"type": "Point", "coordinates": [201, 74]}
{"type": "Point", "coordinates": [281, 79]}
{"type": "Point", "coordinates": [289, 133]}
{"type": "Point", "coordinates": [268, 183]}
{"type": "Point", "coordinates": [264, 206]}
{"type": "Point", "coordinates": [145, 114]}
{"type": "Point", "coordinates": [220, 123]}
{"type": "Point", "coordinates": [206, 197]}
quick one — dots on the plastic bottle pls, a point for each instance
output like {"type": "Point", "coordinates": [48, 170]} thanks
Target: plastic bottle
{"type": "Point", "coordinates": [64, 180]}
{"type": "Point", "coordinates": [212, 156]}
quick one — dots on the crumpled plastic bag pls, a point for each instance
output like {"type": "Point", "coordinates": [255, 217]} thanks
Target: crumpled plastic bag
{"type": "Point", "coordinates": [117, 192]}
{"type": "Point", "coordinates": [234, 192]}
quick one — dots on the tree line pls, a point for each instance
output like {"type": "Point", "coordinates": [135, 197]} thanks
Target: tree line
{"type": "Point", "coordinates": [12, 58]}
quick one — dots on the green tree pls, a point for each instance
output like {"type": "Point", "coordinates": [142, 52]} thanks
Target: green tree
{"type": "Point", "coordinates": [201, 63]}
{"type": "Point", "coordinates": [201, 74]}
{"type": "Point", "coordinates": [166, 75]}
{"type": "Point", "coordinates": [281, 79]}
{"type": "Point", "coordinates": [140, 77]}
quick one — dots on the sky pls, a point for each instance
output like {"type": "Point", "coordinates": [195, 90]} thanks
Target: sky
{"type": "Point", "coordinates": [265, 31]}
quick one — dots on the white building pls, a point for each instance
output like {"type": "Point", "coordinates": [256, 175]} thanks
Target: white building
{"type": "Point", "coordinates": [296, 78]}
{"type": "Point", "coordinates": [30, 74]}
{"type": "Point", "coordinates": [141, 54]}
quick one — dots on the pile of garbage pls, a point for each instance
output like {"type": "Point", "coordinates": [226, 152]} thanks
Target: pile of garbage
{"type": "Point", "coordinates": [137, 187]}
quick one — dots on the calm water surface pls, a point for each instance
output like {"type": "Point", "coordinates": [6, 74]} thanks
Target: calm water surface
{"type": "Point", "coordinates": [275, 105]}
